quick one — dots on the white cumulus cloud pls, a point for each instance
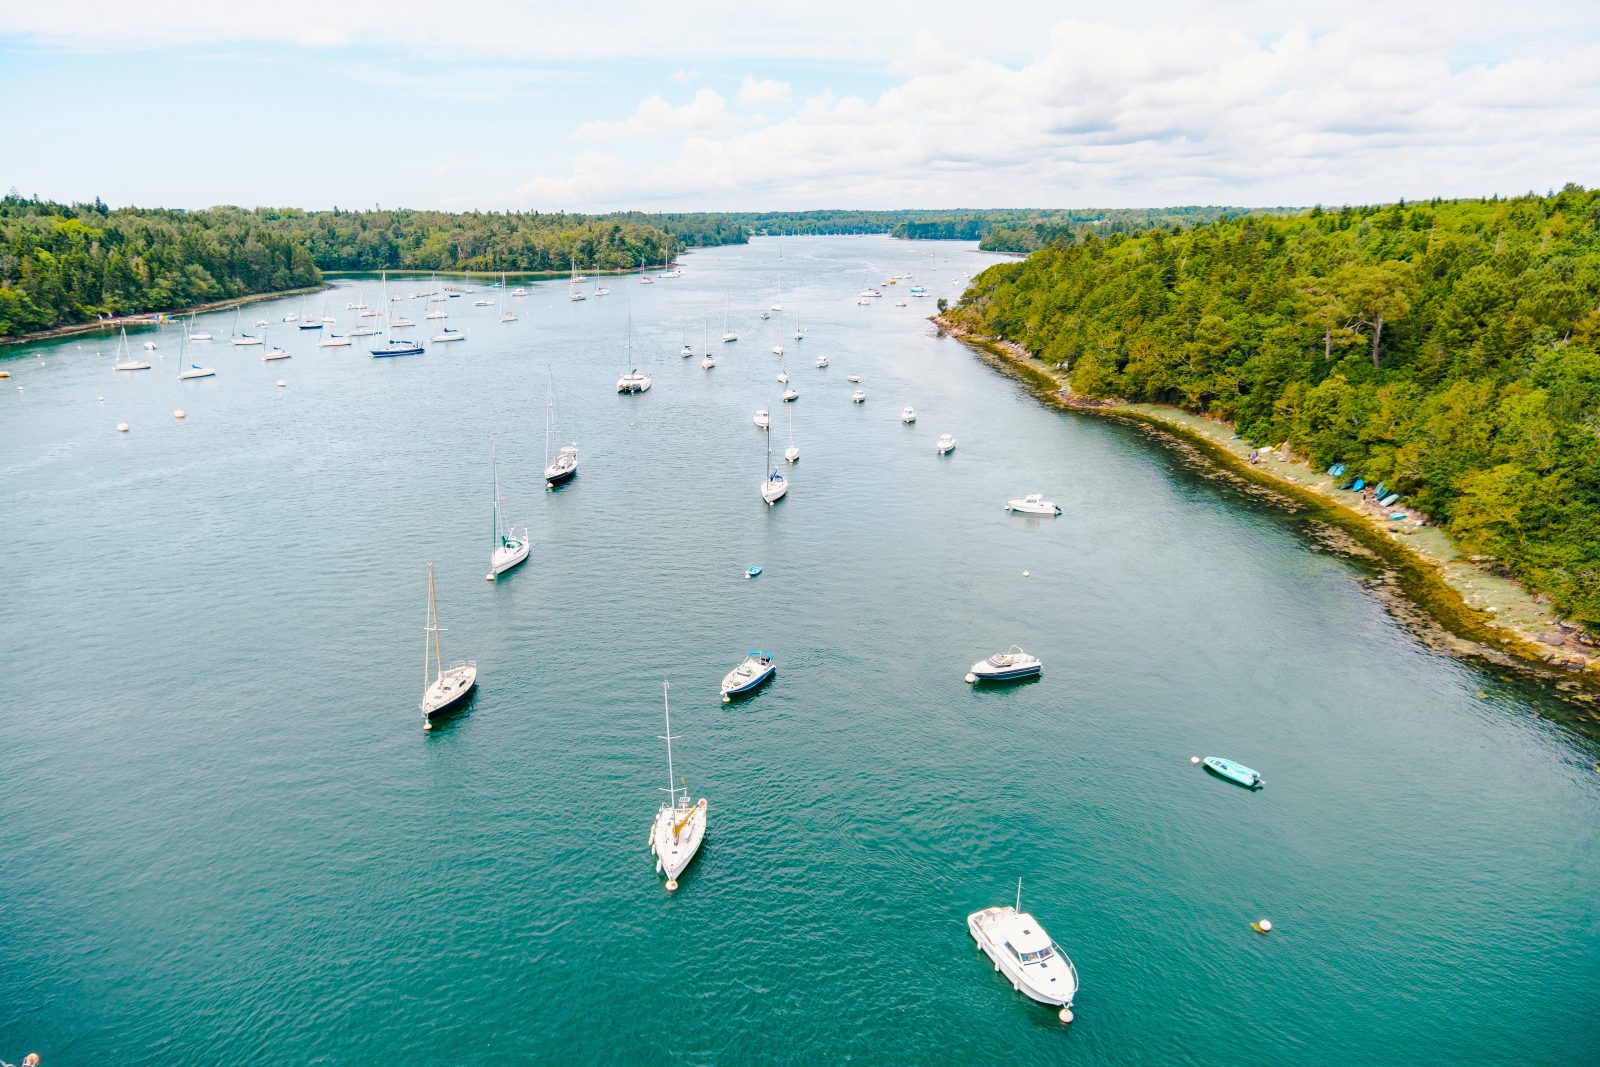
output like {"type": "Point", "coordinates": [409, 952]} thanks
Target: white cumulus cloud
{"type": "Point", "coordinates": [755, 92]}
{"type": "Point", "coordinates": [655, 117]}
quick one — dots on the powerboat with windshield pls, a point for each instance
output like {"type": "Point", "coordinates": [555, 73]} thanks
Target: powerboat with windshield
{"type": "Point", "coordinates": [1007, 666]}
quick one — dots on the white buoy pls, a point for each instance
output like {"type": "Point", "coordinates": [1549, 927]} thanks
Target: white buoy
{"type": "Point", "coordinates": [971, 677]}
{"type": "Point", "coordinates": [1262, 926]}
{"type": "Point", "coordinates": [1065, 1015]}
{"type": "Point", "coordinates": [282, 383]}
{"type": "Point", "coordinates": [427, 724]}
{"type": "Point", "coordinates": [672, 885]}
{"type": "Point", "coordinates": [1025, 574]}
{"type": "Point", "coordinates": [122, 427]}
{"type": "Point", "coordinates": [727, 700]}
{"type": "Point", "coordinates": [178, 414]}
{"type": "Point", "coordinates": [1194, 759]}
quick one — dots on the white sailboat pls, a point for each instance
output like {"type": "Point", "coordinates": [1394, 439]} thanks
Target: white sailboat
{"type": "Point", "coordinates": [449, 685]}
{"type": "Point", "coordinates": [125, 358]}
{"type": "Point", "coordinates": [727, 334]}
{"type": "Point", "coordinates": [193, 370]}
{"type": "Point", "coordinates": [237, 338]}
{"type": "Point", "coordinates": [336, 340]}
{"type": "Point", "coordinates": [799, 334]}
{"type": "Point", "coordinates": [565, 464]}
{"type": "Point", "coordinates": [634, 380]}
{"type": "Point", "coordinates": [792, 453]}
{"type": "Point", "coordinates": [680, 826]}
{"type": "Point", "coordinates": [510, 542]}
{"type": "Point", "coordinates": [204, 335]}
{"type": "Point", "coordinates": [505, 316]}
{"type": "Point", "coordinates": [395, 323]}
{"type": "Point", "coordinates": [774, 485]}
{"type": "Point", "coordinates": [573, 292]}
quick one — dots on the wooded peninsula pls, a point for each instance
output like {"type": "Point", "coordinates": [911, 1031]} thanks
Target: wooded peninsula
{"type": "Point", "coordinates": [1450, 350]}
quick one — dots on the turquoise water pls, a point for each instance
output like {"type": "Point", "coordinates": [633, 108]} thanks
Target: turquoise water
{"type": "Point", "coordinates": [227, 839]}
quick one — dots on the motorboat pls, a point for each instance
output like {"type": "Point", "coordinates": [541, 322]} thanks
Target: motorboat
{"type": "Point", "coordinates": [748, 676]}
{"type": "Point", "coordinates": [908, 414]}
{"type": "Point", "coordinates": [448, 334]}
{"type": "Point", "coordinates": [822, 361]}
{"type": "Point", "coordinates": [510, 542]}
{"type": "Point", "coordinates": [679, 826]}
{"type": "Point", "coordinates": [852, 378]}
{"type": "Point", "coordinates": [450, 685]}
{"type": "Point", "coordinates": [946, 444]}
{"type": "Point", "coordinates": [762, 419]}
{"type": "Point", "coordinates": [1021, 950]}
{"type": "Point", "coordinates": [777, 350]}
{"type": "Point", "coordinates": [790, 396]}
{"type": "Point", "coordinates": [635, 381]}
{"type": "Point", "coordinates": [397, 347]}
{"type": "Point", "coordinates": [1233, 772]}
{"type": "Point", "coordinates": [1007, 666]}
{"type": "Point", "coordinates": [859, 396]}
{"type": "Point", "coordinates": [1033, 504]}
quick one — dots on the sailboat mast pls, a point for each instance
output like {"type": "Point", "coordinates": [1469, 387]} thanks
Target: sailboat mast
{"type": "Point", "coordinates": [549, 412]}
{"type": "Point", "coordinates": [494, 464]}
{"type": "Point", "coordinates": [666, 710]}
{"type": "Point", "coordinates": [433, 612]}
{"type": "Point", "coordinates": [1019, 895]}
{"type": "Point", "coordinates": [427, 631]}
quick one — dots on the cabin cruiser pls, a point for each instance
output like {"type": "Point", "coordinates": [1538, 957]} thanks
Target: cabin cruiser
{"type": "Point", "coordinates": [762, 419]}
{"type": "Point", "coordinates": [748, 676]}
{"type": "Point", "coordinates": [946, 443]}
{"type": "Point", "coordinates": [1007, 666]}
{"type": "Point", "coordinates": [1233, 772]}
{"type": "Point", "coordinates": [1022, 951]}
{"type": "Point", "coordinates": [633, 382]}
{"type": "Point", "coordinates": [822, 361]}
{"type": "Point", "coordinates": [859, 396]}
{"type": "Point", "coordinates": [1033, 504]}
{"type": "Point", "coordinates": [908, 414]}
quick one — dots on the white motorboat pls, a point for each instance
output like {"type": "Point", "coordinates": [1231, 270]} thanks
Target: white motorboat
{"type": "Point", "coordinates": [822, 361]}
{"type": "Point", "coordinates": [125, 359]}
{"type": "Point", "coordinates": [449, 685]}
{"type": "Point", "coordinates": [777, 350]}
{"type": "Point", "coordinates": [510, 542]}
{"type": "Point", "coordinates": [908, 414]}
{"type": "Point", "coordinates": [762, 419]}
{"type": "Point", "coordinates": [859, 396]}
{"type": "Point", "coordinates": [1007, 666]}
{"type": "Point", "coordinates": [680, 826]}
{"type": "Point", "coordinates": [1033, 504]}
{"type": "Point", "coordinates": [946, 444]}
{"type": "Point", "coordinates": [1021, 950]}
{"type": "Point", "coordinates": [565, 464]}
{"type": "Point", "coordinates": [749, 675]}
{"type": "Point", "coordinates": [791, 395]}
{"type": "Point", "coordinates": [853, 378]}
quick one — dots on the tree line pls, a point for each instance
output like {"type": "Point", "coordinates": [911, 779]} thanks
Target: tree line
{"type": "Point", "coordinates": [1448, 349]}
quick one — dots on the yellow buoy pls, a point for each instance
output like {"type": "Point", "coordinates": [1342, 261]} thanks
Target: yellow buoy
{"type": "Point", "coordinates": [672, 885]}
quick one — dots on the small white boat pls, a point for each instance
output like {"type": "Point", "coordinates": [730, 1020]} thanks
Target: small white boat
{"type": "Point", "coordinates": [774, 485]}
{"type": "Point", "coordinates": [853, 378]}
{"type": "Point", "coordinates": [601, 290]}
{"type": "Point", "coordinates": [244, 339]}
{"type": "Point", "coordinates": [859, 396]}
{"type": "Point", "coordinates": [449, 334]}
{"type": "Point", "coordinates": [565, 465]}
{"type": "Point", "coordinates": [679, 828]}
{"type": "Point", "coordinates": [777, 350]}
{"type": "Point", "coordinates": [709, 361]}
{"type": "Point", "coordinates": [822, 361]}
{"type": "Point", "coordinates": [275, 353]}
{"type": "Point", "coordinates": [483, 303]}
{"type": "Point", "coordinates": [505, 315]}
{"type": "Point", "coordinates": [334, 340]}
{"type": "Point", "coordinates": [1033, 504]}
{"type": "Point", "coordinates": [1007, 666]}
{"type": "Point", "coordinates": [291, 317]}
{"type": "Point", "coordinates": [908, 414]}
{"type": "Point", "coordinates": [450, 685]}
{"type": "Point", "coordinates": [790, 396]}
{"type": "Point", "coordinates": [125, 360]}
{"type": "Point", "coordinates": [762, 419]}
{"type": "Point", "coordinates": [363, 331]}
{"type": "Point", "coordinates": [262, 324]}
{"type": "Point", "coordinates": [1021, 950]}
{"type": "Point", "coordinates": [783, 377]}
{"type": "Point", "coordinates": [634, 381]}
{"type": "Point", "coordinates": [437, 314]}
{"type": "Point", "coordinates": [195, 370]}
{"type": "Point", "coordinates": [197, 335]}
{"type": "Point", "coordinates": [686, 351]}
{"type": "Point", "coordinates": [946, 444]}
{"type": "Point", "coordinates": [510, 542]}
{"type": "Point", "coordinates": [727, 333]}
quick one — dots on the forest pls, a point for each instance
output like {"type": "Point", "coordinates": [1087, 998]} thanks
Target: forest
{"type": "Point", "coordinates": [1448, 348]}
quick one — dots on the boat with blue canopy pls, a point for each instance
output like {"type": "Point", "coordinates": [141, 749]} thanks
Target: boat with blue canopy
{"type": "Point", "coordinates": [1237, 773]}
{"type": "Point", "coordinates": [748, 676]}
{"type": "Point", "coordinates": [753, 572]}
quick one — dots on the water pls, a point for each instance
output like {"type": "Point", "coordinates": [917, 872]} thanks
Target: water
{"type": "Point", "coordinates": [227, 839]}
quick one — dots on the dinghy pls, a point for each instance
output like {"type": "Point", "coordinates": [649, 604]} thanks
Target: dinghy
{"type": "Point", "coordinates": [1237, 773]}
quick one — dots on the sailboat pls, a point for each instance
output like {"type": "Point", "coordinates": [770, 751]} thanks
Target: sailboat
{"type": "Point", "coordinates": [510, 543]}
{"type": "Point", "coordinates": [792, 453]}
{"type": "Point", "coordinates": [505, 316]}
{"type": "Point", "coordinates": [125, 358]}
{"type": "Point", "coordinates": [799, 334]}
{"type": "Point", "coordinates": [709, 361]}
{"type": "Point", "coordinates": [633, 381]}
{"type": "Point", "coordinates": [774, 485]}
{"type": "Point", "coordinates": [273, 351]}
{"type": "Point", "coordinates": [204, 335]}
{"type": "Point", "coordinates": [573, 292]}
{"type": "Point", "coordinates": [727, 334]}
{"type": "Point", "coordinates": [193, 370]}
{"type": "Point", "coordinates": [450, 685]}
{"type": "Point", "coordinates": [237, 338]}
{"type": "Point", "coordinates": [680, 826]}
{"type": "Point", "coordinates": [336, 340]}
{"type": "Point", "coordinates": [394, 323]}
{"type": "Point", "coordinates": [565, 465]}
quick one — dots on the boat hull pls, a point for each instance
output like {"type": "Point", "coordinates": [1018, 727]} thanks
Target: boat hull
{"type": "Point", "coordinates": [744, 688]}
{"type": "Point", "coordinates": [557, 475]}
{"type": "Point", "coordinates": [674, 851]}
{"type": "Point", "coordinates": [1008, 674]}
{"type": "Point", "coordinates": [507, 557]}
{"type": "Point", "coordinates": [1230, 771]}
{"type": "Point", "coordinates": [446, 695]}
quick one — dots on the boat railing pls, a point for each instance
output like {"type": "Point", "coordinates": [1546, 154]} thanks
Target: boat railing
{"type": "Point", "coordinates": [1064, 958]}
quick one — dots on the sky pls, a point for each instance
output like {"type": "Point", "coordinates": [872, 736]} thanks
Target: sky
{"type": "Point", "coordinates": [726, 106]}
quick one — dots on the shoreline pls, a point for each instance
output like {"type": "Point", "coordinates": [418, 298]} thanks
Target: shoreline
{"type": "Point", "coordinates": [1431, 588]}
{"type": "Point", "coordinates": [151, 318]}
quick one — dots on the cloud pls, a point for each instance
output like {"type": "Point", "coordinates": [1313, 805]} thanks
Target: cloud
{"type": "Point", "coordinates": [686, 77]}
{"type": "Point", "coordinates": [655, 117]}
{"type": "Point", "coordinates": [1113, 116]}
{"type": "Point", "coordinates": [754, 93]}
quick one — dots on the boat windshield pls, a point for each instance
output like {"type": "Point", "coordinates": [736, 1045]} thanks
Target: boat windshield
{"type": "Point", "coordinates": [1037, 957]}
